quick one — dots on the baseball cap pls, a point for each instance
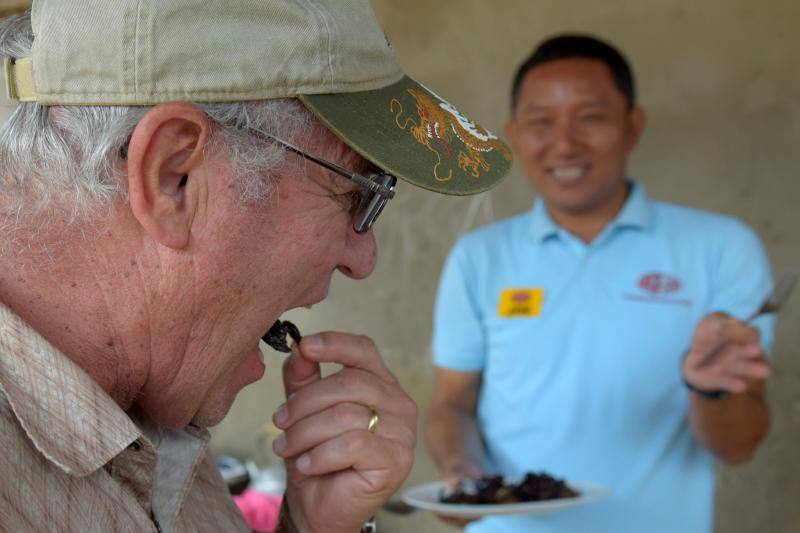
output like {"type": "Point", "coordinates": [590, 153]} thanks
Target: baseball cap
{"type": "Point", "coordinates": [331, 54]}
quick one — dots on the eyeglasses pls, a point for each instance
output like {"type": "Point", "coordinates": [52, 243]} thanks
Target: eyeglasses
{"type": "Point", "coordinates": [379, 187]}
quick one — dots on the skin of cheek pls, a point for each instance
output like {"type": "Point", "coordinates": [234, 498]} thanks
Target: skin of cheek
{"type": "Point", "coordinates": [209, 380]}
{"type": "Point", "coordinates": [313, 230]}
{"type": "Point", "coordinates": [605, 151]}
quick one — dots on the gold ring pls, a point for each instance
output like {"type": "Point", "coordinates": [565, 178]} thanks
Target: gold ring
{"type": "Point", "coordinates": [373, 422]}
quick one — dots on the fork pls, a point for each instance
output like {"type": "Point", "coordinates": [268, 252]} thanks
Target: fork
{"type": "Point", "coordinates": [777, 297]}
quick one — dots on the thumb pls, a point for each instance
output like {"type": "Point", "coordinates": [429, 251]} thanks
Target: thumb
{"type": "Point", "coordinates": [454, 475]}
{"type": "Point", "coordinates": [299, 371]}
{"type": "Point", "coordinates": [708, 335]}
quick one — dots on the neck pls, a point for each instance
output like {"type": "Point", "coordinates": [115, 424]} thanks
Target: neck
{"type": "Point", "coordinates": [587, 224]}
{"type": "Point", "coordinates": [67, 296]}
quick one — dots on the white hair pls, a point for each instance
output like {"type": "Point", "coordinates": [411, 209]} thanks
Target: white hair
{"type": "Point", "coordinates": [53, 153]}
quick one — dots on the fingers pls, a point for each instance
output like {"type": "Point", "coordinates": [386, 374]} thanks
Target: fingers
{"type": "Point", "coordinates": [728, 383]}
{"type": "Point", "coordinates": [364, 380]}
{"type": "Point", "coordinates": [457, 522]}
{"type": "Point", "coordinates": [342, 418]}
{"type": "Point", "coordinates": [736, 331]}
{"type": "Point", "coordinates": [340, 403]}
{"type": "Point", "coordinates": [374, 458]}
{"type": "Point", "coordinates": [319, 427]}
{"type": "Point", "coordinates": [748, 368]}
{"type": "Point", "coordinates": [298, 371]}
{"type": "Point", "coordinates": [733, 368]}
{"type": "Point", "coordinates": [320, 412]}
{"type": "Point", "coordinates": [717, 329]}
{"type": "Point", "coordinates": [333, 462]}
{"type": "Point", "coordinates": [455, 473]}
{"type": "Point", "coordinates": [728, 356]}
{"type": "Point", "coordinates": [355, 351]}
{"type": "Point", "coordinates": [737, 378]}
{"type": "Point", "coordinates": [348, 385]}
{"type": "Point", "coordinates": [725, 354]}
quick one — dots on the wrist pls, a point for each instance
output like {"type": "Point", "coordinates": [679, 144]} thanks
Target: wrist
{"type": "Point", "coordinates": [287, 524]}
{"type": "Point", "coordinates": [709, 394]}
{"type": "Point", "coordinates": [291, 518]}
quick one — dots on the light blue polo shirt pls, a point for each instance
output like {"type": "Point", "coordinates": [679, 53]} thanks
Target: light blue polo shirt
{"type": "Point", "coordinates": [588, 387]}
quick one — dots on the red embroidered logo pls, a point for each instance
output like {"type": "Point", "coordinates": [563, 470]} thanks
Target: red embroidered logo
{"type": "Point", "coordinates": [657, 283]}
{"type": "Point", "coordinates": [520, 297]}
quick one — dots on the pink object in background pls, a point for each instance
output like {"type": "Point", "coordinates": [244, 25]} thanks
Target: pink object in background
{"type": "Point", "coordinates": [260, 510]}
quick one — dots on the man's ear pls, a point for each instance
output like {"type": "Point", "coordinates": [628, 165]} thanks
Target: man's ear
{"type": "Point", "coordinates": [511, 132]}
{"type": "Point", "coordinates": [637, 119]}
{"type": "Point", "coordinates": [166, 156]}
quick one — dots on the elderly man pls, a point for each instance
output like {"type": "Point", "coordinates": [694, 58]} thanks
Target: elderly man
{"type": "Point", "coordinates": [601, 336]}
{"type": "Point", "coordinates": [176, 176]}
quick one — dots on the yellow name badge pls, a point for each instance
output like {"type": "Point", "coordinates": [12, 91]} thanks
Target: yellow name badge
{"type": "Point", "coordinates": [520, 302]}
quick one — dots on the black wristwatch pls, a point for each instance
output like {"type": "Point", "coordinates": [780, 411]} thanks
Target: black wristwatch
{"type": "Point", "coordinates": [718, 394]}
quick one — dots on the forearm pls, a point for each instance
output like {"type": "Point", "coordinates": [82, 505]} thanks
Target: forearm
{"type": "Point", "coordinates": [730, 428]}
{"type": "Point", "coordinates": [453, 439]}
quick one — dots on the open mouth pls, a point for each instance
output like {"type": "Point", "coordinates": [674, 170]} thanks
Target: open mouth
{"type": "Point", "coordinates": [568, 174]}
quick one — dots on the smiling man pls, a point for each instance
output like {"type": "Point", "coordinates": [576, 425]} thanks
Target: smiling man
{"type": "Point", "coordinates": [600, 336]}
{"type": "Point", "coordinates": [177, 175]}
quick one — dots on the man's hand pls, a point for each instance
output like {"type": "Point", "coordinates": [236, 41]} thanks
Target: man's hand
{"type": "Point", "coordinates": [338, 472]}
{"type": "Point", "coordinates": [725, 355]}
{"type": "Point", "coordinates": [452, 435]}
{"type": "Point", "coordinates": [452, 475]}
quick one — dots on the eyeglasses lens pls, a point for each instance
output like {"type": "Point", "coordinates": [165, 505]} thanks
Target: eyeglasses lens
{"type": "Point", "coordinates": [373, 203]}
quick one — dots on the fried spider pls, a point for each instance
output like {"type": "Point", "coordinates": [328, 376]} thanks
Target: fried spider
{"type": "Point", "coordinates": [493, 490]}
{"type": "Point", "coordinates": [276, 336]}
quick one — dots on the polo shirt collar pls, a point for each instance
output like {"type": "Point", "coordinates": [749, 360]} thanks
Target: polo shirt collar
{"type": "Point", "coordinates": [542, 226]}
{"type": "Point", "coordinates": [636, 213]}
{"type": "Point", "coordinates": [70, 419]}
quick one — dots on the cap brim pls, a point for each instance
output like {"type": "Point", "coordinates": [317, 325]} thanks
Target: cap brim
{"type": "Point", "coordinates": [410, 132]}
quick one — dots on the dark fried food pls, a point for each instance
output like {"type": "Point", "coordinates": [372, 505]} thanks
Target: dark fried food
{"type": "Point", "coordinates": [276, 336]}
{"type": "Point", "coordinates": [493, 490]}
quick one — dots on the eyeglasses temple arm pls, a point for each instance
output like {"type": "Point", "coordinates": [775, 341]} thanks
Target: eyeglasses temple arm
{"type": "Point", "coordinates": [361, 180]}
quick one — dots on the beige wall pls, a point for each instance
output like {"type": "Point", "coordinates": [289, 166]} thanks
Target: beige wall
{"type": "Point", "coordinates": [721, 83]}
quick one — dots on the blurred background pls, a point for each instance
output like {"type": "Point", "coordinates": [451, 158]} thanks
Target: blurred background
{"type": "Point", "coordinates": [720, 81]}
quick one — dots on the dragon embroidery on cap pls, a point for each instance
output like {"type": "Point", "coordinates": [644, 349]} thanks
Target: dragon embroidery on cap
{"type": "Point", "coordinates": [439, 125]}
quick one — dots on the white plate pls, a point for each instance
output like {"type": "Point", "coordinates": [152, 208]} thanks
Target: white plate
{"type": "Point", "coordinates": [426, 496]}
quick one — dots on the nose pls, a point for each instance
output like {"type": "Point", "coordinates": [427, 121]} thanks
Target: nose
{"type": "Point", "coordinates": [360, 255]}
{"type": "Point", "coordinates": [564, 139]}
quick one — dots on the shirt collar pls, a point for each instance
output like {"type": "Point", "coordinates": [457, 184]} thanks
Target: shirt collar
{"type": "Point", "coordinates": [636, 213]}
{"type": "Point", "coordinates": [542, 226]}
{"type": "Point", "coordinates": [70, 419]}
